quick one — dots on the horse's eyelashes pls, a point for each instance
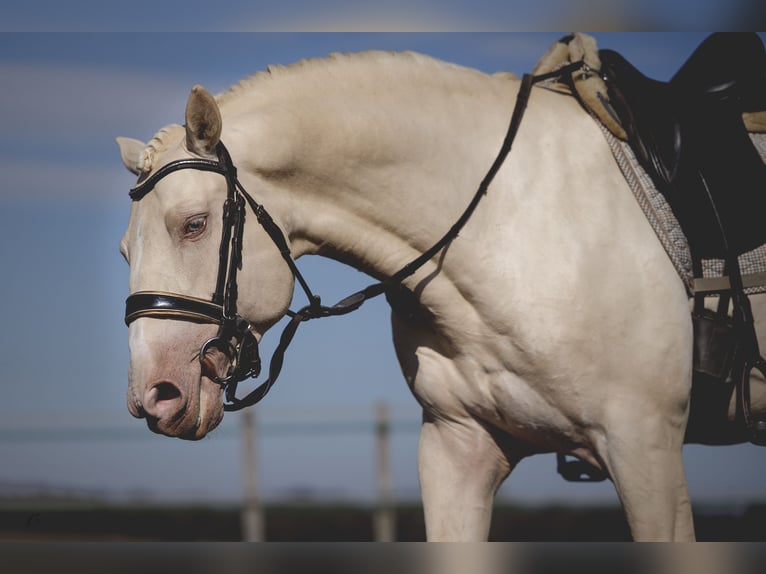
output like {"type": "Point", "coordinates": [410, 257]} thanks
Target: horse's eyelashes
{"type": "Point", "coordinates": [194, 226]}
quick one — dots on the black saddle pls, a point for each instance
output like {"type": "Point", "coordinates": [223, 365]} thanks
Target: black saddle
{"type": "Point", "coordinates": [689, 136]}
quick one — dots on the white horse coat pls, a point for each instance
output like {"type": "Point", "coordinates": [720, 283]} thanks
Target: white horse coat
{"type": "Point", "coordinates": [554, 322]}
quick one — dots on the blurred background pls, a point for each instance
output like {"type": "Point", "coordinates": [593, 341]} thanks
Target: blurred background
{"type": "Point", "coordinates": [72, 460]}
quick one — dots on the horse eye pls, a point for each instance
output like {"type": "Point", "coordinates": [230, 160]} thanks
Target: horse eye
{"type": "Point", "coordinates": [195, 225]}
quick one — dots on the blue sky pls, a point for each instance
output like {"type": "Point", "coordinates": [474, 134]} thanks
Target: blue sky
{"type": "Point", "coordinates": [400, 15]}
{"type": "Point", "coordinates": [64, 206]}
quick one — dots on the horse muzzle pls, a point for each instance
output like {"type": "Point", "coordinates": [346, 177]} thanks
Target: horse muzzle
{"type": "Point", "coordinates": [235, 338]}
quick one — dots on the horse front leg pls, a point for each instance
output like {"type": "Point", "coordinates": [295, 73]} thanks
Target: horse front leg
{"type": "Point", "coordinates": [643, 453]}
{"type": "Point", "coordinates": [461, 467]}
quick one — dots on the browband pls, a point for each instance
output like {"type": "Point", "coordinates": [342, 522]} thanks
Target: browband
{"type": "Point", "coordinates": [139, 191]}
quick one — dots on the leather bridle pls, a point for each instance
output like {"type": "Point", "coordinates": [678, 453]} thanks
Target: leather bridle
{"type": "Point", "coordinates": [235, 337]}
{"type": "Point", "coordinates": [221, 310]}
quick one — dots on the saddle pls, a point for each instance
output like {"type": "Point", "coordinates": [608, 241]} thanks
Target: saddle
{"type": "Point", "coordinates": [690, 137]}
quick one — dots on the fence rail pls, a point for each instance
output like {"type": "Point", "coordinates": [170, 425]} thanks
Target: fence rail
{"type": "Point", "coordinates": [380, 424]}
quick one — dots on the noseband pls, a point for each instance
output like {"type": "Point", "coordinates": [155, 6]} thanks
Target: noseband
{"type": "Point", "coordinates": [235, 338]}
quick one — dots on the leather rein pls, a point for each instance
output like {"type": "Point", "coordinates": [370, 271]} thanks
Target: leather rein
{"type": "Point", "coordinates": [235, 337]}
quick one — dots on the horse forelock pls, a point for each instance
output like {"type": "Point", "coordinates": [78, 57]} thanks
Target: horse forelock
{"type": "Point", "coordinates": [159, 143]}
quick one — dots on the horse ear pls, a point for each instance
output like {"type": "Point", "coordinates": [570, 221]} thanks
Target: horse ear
{"type": "Point", "coordinates": [130, 152]}
{"type": "Point", "coordinates": [203, 122]}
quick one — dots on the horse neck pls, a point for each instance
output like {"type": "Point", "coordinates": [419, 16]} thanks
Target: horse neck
{"type": "Point", "coordinates": [372, 173]}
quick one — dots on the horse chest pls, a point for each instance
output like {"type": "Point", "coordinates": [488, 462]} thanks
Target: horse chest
{"type": "Point", "coordinates": [477, 384]}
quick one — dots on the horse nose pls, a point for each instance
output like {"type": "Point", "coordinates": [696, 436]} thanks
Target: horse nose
{"type": "Point", "coordinates": [135, 408]}
{"type": "Point", "coordinates": [163, 401]}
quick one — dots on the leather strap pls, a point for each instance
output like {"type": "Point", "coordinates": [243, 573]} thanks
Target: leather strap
{"type": "Point", "coordinates": [717, 284]}
{"type": "Point", "coordinates": [161, 305]}
{"type": "Point", "coordinates": [147, 185]}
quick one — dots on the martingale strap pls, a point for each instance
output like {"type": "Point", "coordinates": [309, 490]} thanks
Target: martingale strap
{"type": "Point", "coordinates": [222, 308]}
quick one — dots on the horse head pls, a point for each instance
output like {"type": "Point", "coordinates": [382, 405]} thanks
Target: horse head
{"type": "Point", "coordinates": [174, 245]}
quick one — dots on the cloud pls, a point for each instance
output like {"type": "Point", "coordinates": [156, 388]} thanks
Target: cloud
{"type": "Point", "coordinates": [490, 16]}
{"type": "Point", "coordinates": [354, 16]}
{"type": "Point", "coordinates": [361, 18]}
{"type": "Point", "coordinates": [433, 16]}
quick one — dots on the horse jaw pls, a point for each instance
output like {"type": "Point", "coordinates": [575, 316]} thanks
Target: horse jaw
{"type": "Point", "coordinates": [166, 385]}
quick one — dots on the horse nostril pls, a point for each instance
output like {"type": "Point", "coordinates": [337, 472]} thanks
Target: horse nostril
{"type": "Point", "coordinates": [163, 399]}
{"type": "Point", "coordinates": [167, 392]}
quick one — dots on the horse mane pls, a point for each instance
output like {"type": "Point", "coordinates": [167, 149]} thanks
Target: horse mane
{"type": "Point", "coordinates": [319, 75]}
{"type": "Point", "coordinates": [342, 68]}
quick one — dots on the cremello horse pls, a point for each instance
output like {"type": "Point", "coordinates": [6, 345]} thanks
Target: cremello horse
{"type": "Point", "coordinates": [554, 322]}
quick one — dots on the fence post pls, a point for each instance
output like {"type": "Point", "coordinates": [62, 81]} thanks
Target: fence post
{"type": "Point", "coordinates": [252, 513]}
{"type": "Point", "coordinates": [384, 530]}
